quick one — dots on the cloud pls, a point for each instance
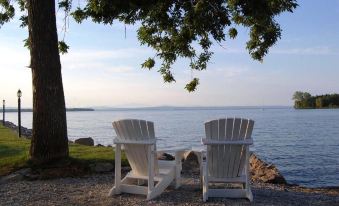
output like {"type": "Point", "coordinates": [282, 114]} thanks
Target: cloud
{"type": "Point", "coordinates": [115, 61]}
{"type": "Point", "coordinates": [105, 54]}
{"type": "Point", "coordinates": [321, 50]}
{"type": "Point", "coordinates": [227, 71]}
{"type": "Point", "coordinates": [227, 50]}
{"type": "Point", "coordinates": [120, 69]}
{"type": "Point", "coordinates": [13, 57]}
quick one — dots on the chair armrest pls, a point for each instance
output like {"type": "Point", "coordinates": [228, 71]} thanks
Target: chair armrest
{"type": "Point", "coordinates": [181, 149]}
{"type": "Point", "coordinates": [142, 142]}
{"type": "Point", "coordinates": [221, 142]}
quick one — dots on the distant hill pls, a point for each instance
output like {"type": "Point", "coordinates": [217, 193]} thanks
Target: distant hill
{"type": "Point", "coordinates": [68, 109]}
{"type": "Point", "coordinates": [168, 108]}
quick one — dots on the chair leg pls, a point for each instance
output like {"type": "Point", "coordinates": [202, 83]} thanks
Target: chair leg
{"type": "Point", "coordinates": [201, 169]}
{"type": "Point", "coordinates": [204, 184]}
{"type": "Point", "coordinates": [161, 185]}
{"type": "Point", "coordinates": [150, 168]}
{"type": "Point", "coordinates": [117, 179]}
{"type": "Point", "coordinates": [205, 189]}
{"type": "Point", "coordinates": [178, 168]}
{"type": "Point", "coordinates": [249, 194]}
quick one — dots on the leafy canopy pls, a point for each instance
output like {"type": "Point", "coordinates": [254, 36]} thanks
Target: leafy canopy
{"type": "Point", "coordinates": [182, 28]}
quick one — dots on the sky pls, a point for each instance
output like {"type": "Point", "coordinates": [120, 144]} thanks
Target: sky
{"type": "Point", "coordinates": [103, 67]}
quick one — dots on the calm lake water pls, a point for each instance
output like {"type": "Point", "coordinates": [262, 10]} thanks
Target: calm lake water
{"type": "Point", "coordinates": [304, 144]}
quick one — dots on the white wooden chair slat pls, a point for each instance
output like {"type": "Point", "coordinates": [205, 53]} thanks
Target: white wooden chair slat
{"type": "Point", "coordinates": [139, 157]}
{"type": "Point", "coordinates": [143, 126]}
{"type": "Point", "coordinates": [208, 133]}
{"type": "Point", "coordinates": [248, 134]}
{"type": "Point", "coordinates": [237, 150]}
{"type": "Point", "coordinates": [215, 155]}
{"type": "Point", "coordinates": [130, 149]}
{"type": "Point", "coordinates": [236, 128]}
{"type": "Point", "coordinates": [137, 129]}
{"type": "Point", "coordinates": [151, 130]}
{"type": "Point", "coordinates": [234, 149]}
{"type": "Point", "coordinates": [229, 128]}
{"type": "Point", "coordinates": [249, 129]}
{"type": "Point", "coordinates": [228, 161]}
{"type": "Point", "coordinates": [135, 136]}
{"type": "Point", "coordinates": [143, 148]}
{"type": "Point", "coordinates": [120, 131]}
{"type": "Point", "coordinates": [239, 153]}
{"type": "Point", "coordinates": [229, 135]}
{"type": "Point", "coordinates": [243, 129]}
{"type": "Point", "coordinates": [151, 135]}
{"type": "Point", "coordinates": [141, 129]}
{"type": "Point", "coordinates": [221, 148]}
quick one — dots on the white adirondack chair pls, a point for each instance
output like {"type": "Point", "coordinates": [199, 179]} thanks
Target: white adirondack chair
{"type": "Point", "coordinates": [138, 140]}
{"type": "Point", "coordinates": [227, 157]}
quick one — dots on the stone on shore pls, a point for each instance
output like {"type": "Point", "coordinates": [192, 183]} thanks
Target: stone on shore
{"type": "Point", "coordinates": [24, 131]}
{"type": "Point", "coordinates": [191, 163]}
{"type": "Point", "coordinates": [260, 170]}
{"type": "Point", "coordinates": [263, 172]}
{"type": "Point", "coordinates": [85, 141]}
{"type": "Point", "coordinates": [165, 156]}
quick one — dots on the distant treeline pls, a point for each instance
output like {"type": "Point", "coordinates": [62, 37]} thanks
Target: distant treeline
{"type": "Point", "coordinates": [69, 110]}
{"type": "Point", "coordinates": [304, 100]}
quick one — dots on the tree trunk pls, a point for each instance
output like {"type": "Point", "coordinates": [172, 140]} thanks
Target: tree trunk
{"type": "Point", "coordinates": [49, 141]}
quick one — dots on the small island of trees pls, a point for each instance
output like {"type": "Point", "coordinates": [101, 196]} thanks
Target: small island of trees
{"type": "Point", "coordinates": [304, 100]}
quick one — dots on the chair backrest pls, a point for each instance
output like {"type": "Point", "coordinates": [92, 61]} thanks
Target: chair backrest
{"type": "Point", "coordinates": [225, 161]}
{"type": "Point", "coordinates": [137, 155]}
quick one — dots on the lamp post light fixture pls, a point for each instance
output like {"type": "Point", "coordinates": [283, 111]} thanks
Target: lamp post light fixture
{"type": "Point", "coordinates": [19, 94]}
{"type": "Point", "coordinates": [3, 112]}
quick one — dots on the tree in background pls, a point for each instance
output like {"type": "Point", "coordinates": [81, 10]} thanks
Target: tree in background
{"type": "Point", "coordinates": [304, 100]}
{"type": "Point", "coordinates": [298, 96]}
{"type": "Point", "coordinates": [172, 28]}
{"type": "Point", "coordinates": [319, 102]}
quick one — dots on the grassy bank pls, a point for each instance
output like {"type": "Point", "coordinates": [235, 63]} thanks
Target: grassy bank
{"type": "Point", "coordinates": [14, 153]}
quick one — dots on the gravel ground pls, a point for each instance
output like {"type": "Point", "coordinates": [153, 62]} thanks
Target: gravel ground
{"type": "Point", "coordinates": [92, 190]}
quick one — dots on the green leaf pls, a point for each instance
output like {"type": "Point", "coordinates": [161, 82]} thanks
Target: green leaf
{"type": "Point", "coordinates": [192, 86]}
{"type": "Point", "coordinates": [27, 43]}
{"type": "Point", "coordinates": [7, 11]}
{"type": "Point", "coordinates": [79, 15]}
{"type": "Point", "coordinates": [149, 63]}
{"type": "Point", "coordinates": [24, 21]}
{"type": "Point", "coordinates": [232, 32]}
{"type": "Point", "coordinates": [63, 47]}
{"type": "Point", "coordinates": [65, 4]}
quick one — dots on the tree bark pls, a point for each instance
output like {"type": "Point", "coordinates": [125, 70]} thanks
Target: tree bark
{"type": "Point", "coordinates": [49, 141]}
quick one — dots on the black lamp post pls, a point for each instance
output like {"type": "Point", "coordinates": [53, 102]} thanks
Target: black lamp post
{"type": "Point", "coordinates": [19, 94]}
{"type": "Point", "coordinates": [3, 112]}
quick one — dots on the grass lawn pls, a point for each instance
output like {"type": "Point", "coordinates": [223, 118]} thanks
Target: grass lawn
{"type": "Point", "coordinates": [14, 153]}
